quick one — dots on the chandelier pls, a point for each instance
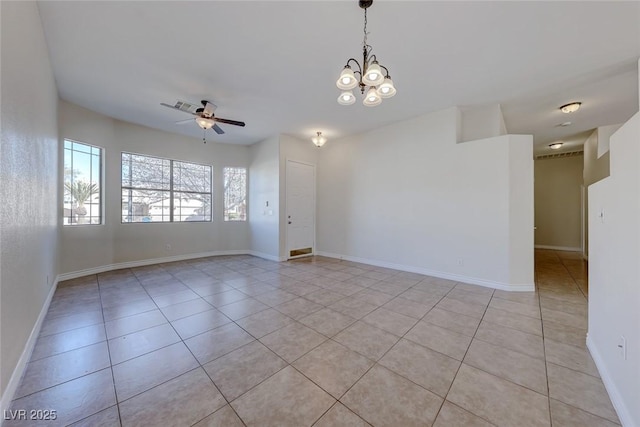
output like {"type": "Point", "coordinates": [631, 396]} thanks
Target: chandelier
{"type": "Point", "coordinates": [370, 77]}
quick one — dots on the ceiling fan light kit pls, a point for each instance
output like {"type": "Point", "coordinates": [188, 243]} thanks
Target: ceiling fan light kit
{"type": "Point", "coordinates": [369, 74]}
{"type": "Point", "coordinates": [204, 116]}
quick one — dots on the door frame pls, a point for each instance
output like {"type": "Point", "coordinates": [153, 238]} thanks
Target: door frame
{"type": "Point", "coordinates": [286, 209]}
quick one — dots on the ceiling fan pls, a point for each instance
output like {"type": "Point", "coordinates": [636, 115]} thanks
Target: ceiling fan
{"type": "Point", "coordinates": [204, 115]}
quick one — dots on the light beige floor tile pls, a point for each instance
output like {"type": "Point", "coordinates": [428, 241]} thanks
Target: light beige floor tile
{"type": "Point", "coordinates": [242, 369]}
{"type": "Point", "coordinates": [456, 322]}
{"type": "Point", "coordinates": [333, 367]}
{"type": "Point", "coordinates": [275, 297]}
{"type": "Point", "coordinates": [571, 307]}
{"type": "Point", "coordinates": [196, 324]}
{"type": "Point", "coordinates": [470, 297]}
{"type": "Point", "coordinates": [184, 309]}
{"type": "Point", "coordinates": [454, 416]}
{"type": "Point", "coordinates": [109, 417]}
{"type": "Point", "coordinates": [340, 416]}
{"type": "Point", "coordinates": [568, 416]}
{"type": "Point", "coordinates": [328, 322]}
{"type": "Point", "coordinates": [243, 308]}
{"type": "Point", "coordinates": [263, 405]}
{"type": "Point", "coordinates": [373, 297]}
{"type": "Point", "coordinates": [390, 321]}
{"type": "Point", "coordinates": [578, 359]}
{"type": "Point", "coordinates": [324, 297]}
{"type": "Point", "coordinates": [223, 417]}
{"type": "Point", "coordinates": [50, 371]}
{"type": "Point", "coordinates": [175, 298]}
{"type": "Point", "coordinates": [580, 390]}
{"type": "Point", "coordinates": [474, 288]}
{"type": "Point", "coordinates": [353, 307]}
{"type": "Point", "coordinates": [225, 298]}
{"type": "Point", "coordinates": [513, 339]}
{"type": "Point", "coordinates": [264, 322]}
{"type": "Point", "coordinates": [138, 343]}
{"type": "Point", "coordinates": [366, 340]}
{"type": "Point", "coordinates": [420, 296]}
{"type": "Point", "coordinates": [439, 339]}
{"type": "Point", "coordinates": [511, 320]}
{"type": "Point", "coordinates": [407, 308]}
{"type": "Point", "coordinates": [217, 342]}
{"type": "Point", "coordinates": [573, 320]}
{"type": "Point", "coordinates": [51, 345]}
{"type": "Point", "coordinates": [430, 369]}
{"type": "Point", "coordinates": [298, 308]}
{"type": "Point", "coordinates": [204, 290]}
{"type": "Point", "coordinates": [461, 307]}
{"type": "Point", "coordinates": [292, 341]}
{"type": "Point", "coordinates": [72, 400]}
{"type": "Point", "coordinates": [530, 298]}
{"type": "Point", "coordinates": [565, 334]}
{"type": "Point", "coordinates": [509, 365]}
{"type": "Point", "coordinates": [498, 401]}
{"type": "Point", "coordinates": [124, 310]}
{"type": "Point", "coordinates": [130, 324]}
{"type": "Point", "coordinates": [181, 401]}
{"type": "Point", "coordinates": [60, 324]}
{"type": "Point", "coordinates": [515, 307]}
{"type": "Point", "coordinates": [140, 374]}
{"type": "Point", "coordinates": [384, 398]}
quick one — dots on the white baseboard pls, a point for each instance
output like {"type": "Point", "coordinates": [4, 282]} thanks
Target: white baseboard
{"type": "Point", "coordinates": [18, 371]}
{"type": "Point", "coordinates": [524, 287]}
{"type": "Point", "coordinates": [559, 248]}
{"type": "Point", "coordinates": [621, 409]}
{"type": "Point", "coordinates": [143, 262]}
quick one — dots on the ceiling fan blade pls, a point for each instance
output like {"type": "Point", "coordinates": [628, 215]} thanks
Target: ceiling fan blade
{"type": "Point", "coordinates": [181, 122]}
{"type": "Point", "coordinates": [230, 122]}
{"type": "Point", "coordinates": [209, 108]}
{"type": "Point", "coordinates": [218, 129]}
{"type": "Point", "coordinates": [173, 107]}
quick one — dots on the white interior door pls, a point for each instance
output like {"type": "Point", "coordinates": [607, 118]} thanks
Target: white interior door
{"type": "Point", "coordinates": [301, 209]}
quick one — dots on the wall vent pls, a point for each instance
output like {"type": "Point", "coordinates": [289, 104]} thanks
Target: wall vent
{"type": "Point", "coordinates": [558, 155]}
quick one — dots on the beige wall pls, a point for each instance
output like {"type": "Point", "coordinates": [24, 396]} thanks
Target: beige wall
{"type": "Point", "coordinates": [28, 173]}
{"type": "Point", "coordinates": [558, 202]}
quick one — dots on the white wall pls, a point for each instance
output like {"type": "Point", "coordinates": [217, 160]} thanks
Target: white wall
{"type": "Point", "coordinates": [480, 122]}
{"type": "Point", "coordinates": [264, 187]}
{"type": "Point", "coordinates": [92, 247]}
{"type": "Point", "coordinates": [596, 167]}
{"type": "Point", "coordinates": [28, 173]}
{"type": "Point", "coordinates": [292, 149]}
{"type": "Point", "coordinates": [604, 135]}
{"type": "Point", "coordinates": [614, 273]}
{"type": "Point", "coordinates": [558, 202]}
{"type": "Point", "coordinates": [407, 195]}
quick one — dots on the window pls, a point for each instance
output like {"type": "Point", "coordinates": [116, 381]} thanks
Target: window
{"type": "Point", "coordinates": [82, 201]}
{"type": "Point", "coordinates": [164, 190]}
{"type": "Point", "coordinates": [235, 194]}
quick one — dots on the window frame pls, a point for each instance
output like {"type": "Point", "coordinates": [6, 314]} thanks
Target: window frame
{"type": "Point", "coordinates": [171, 190]}
{"type": "Point", "coordinates": [101, 180]}
{"type": "Point", "coordinates": [224, 195]}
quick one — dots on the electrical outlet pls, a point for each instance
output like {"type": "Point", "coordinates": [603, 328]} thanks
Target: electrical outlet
{"type": "Point", "coordinates": [622, 347]}
{"type": "Point", "coordinates": [460, 262]}
{"type": "Point", "coordinates": [167, 247]}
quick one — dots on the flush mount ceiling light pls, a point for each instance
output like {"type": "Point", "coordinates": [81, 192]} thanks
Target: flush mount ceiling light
{"type": "Point", "coordinates": [369, 74]}
{"type": "Point", "coordinates": [565, 124]}
{"type": "Point", "coordinates": [555, 145]}
{"type": "Point", "coordinates": [571, 108]}
{"type": "Point", "coordinates": [319, 140]}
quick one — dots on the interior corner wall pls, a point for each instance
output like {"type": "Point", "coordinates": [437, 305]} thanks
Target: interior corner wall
{"type": "Point", "coordinates": [408, 196]}
{"type": "Point", "coordinates": [614, 273]}
{"type": "Point", "coordinates": [89, 248]}
{"type": "Point", "coordinates": [264, 198]}
{"type": "Point", "coordinates": [28, 173]}
{"type": "Point", "coordinates": [480, 122]}
{"type": "Point", "coordinates": [558, 202]}
{"type": "Point", "coordinates": [297, 150]}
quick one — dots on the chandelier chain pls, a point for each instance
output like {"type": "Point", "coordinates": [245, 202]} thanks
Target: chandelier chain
{"type": "Point", "coordinates": [364, 41]}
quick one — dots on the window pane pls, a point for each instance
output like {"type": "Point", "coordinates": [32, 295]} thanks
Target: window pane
{"type": "Point", "coordinates": [191, 177]}
{"type": "Point", "coordinates": [145, 206]}
{"type": "Point", "coordinates": [235, 194]}
{"type": "Point", "coordinates": [191, 207]}
{"type": "Point", "coordinates": [145, 172]}
{"type": "Point", "coordinates": [82, 184]}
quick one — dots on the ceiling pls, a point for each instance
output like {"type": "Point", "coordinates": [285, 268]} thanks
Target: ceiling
{"type": "Point", "coordinates": [273, 64]}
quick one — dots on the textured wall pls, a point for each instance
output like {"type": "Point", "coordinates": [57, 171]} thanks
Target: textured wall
{"type": "Point", "coordinates": [28, 178]}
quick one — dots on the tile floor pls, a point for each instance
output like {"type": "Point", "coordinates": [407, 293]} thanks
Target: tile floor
{"type": "Point", "coordinates": [233, 341]}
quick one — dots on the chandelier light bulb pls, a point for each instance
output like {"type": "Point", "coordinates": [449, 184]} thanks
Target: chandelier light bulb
{"type": "Point", "coordinates": [386, 89]}
{"type": "Point", "coordinates": [373, 76]}
{"type": "Point", "coordinates": [372, 98]}
{"type": "Point", "coordinates": [347, 79]}
{"type": "Point", "coordinates": [346, 98]}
